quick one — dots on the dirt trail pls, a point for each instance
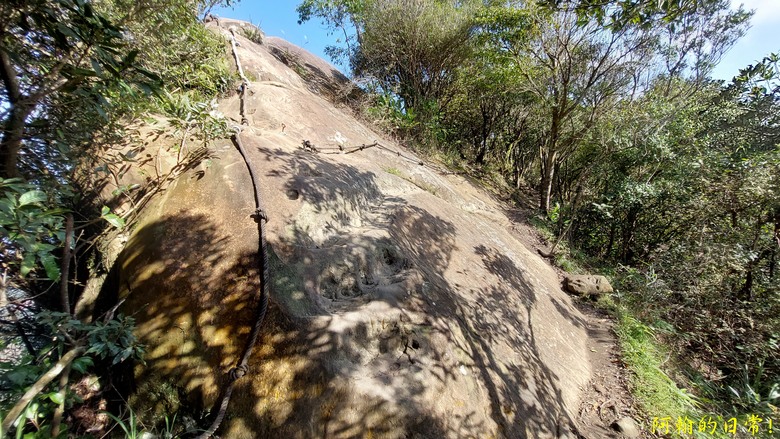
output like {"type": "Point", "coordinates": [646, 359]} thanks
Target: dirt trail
{"type": "Point", "coordinates": [404, 301]}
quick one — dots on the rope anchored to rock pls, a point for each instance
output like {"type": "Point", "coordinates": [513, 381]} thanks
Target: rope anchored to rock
{"type": "Point", "coordinates": [341, 149]}
{"type": "Point", "coordinates": [244, 80]}
{"type": "Point", "coordinates": [261, 218]}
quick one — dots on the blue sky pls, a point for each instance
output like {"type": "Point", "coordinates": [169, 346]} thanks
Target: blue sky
{"type": "Point", "coordinates": [278, 17]}
{"type": "Point", "coordinates": [762, 38]}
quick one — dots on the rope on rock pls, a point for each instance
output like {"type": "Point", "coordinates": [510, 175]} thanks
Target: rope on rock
{"type": "Point", "coordinates": [244, 81]}
{"type": "Point", "coordinates": [308, 146]}
{"type": "Point", "coordinates": [261, 218]}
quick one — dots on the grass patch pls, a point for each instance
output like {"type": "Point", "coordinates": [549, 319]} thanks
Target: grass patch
{"type": "Point", "coordinates": [426, 187]}
{"type": "Point", "coordinates": [657, 393]}
{"type": "Point", "coordinates": [395, 171]}
{"type": "Point", "coordinates": [659, 397]}
{"type": "Point", "coordinates": [542, 226]}
{"type": "Point", "coordinates": [253, 33]}
{"type": "Point", "coordinates": [566, 264]}
{"type": "Point", "coordinates": [565, 259]}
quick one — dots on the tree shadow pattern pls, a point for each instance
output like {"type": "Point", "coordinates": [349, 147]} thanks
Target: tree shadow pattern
{"type": "Point", "coordinates": [321, 368]}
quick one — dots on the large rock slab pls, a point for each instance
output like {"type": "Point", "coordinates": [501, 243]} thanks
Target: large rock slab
{"type": "Point", "coordinates": [403, 305]}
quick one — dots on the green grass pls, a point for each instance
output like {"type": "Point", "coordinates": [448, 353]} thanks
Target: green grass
{"type": "Point", "coordinates": [647, 359]}
{"type": "Point", "coordinates": [253, 34]}
{"type": "Point", "coordinates": [565, 259]}
{"type": "Point", "coordinates": [567, 264]}
{"type": "Point", "coordinates": [658, 395]}
{"type": "Point", "coordinates": [395, 171]}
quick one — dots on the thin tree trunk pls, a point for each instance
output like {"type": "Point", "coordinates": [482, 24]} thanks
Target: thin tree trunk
{"type": "Point", "coordinates": [65, 268]}
{"type": "Point", "coordinates": [611, 242]}
{"type": "Point", "coordinates": [565, 230]}
{"type": "Point", "coordinates": [13, 133]}
{"type": "Point", "coordinates": [13, 126]}
{"type": "Point", "coordinates": [629, 231]}
{"type": "Point", "coordinates": [59, 412]}
{"type": "Point", "coordinates": [481, 152]}
{"type": "Point", "coordinates": [548, 172]}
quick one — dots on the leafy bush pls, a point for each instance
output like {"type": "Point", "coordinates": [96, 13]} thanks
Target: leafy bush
{"type": "Point", "coordinates": [658, 394]}
{"type": "Point", "coordinates": [74, 349]}
{"type": "Point", "coordinates": [174, 44]}
{"type": "Point", "coordinates": [103, 60]}
{"type": "Point", "coordinates": [31, 229]}
{"type": "Point", "coordinates": [195, 117]}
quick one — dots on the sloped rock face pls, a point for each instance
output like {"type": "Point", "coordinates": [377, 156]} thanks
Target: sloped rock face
{"type": "Point", "coordinates": [402, 306]}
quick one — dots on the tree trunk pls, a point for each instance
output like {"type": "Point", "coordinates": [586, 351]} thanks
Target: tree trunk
{"type": "Point", "coordinates": [611, 243]}
{"type": "Point", "coordinates": [629, 231]}
{"type": "Point", "coordinates": [11, 144]}
{"type": "Point", "coordinates": [565, 230]}
{"type": "Point", "coordinates": [548, 172]}
{"type": "Point", "coordinates": [547, 158]}
{"type": "Point", "coordinates": [481, 152]}
{"type": "Point", "coordinates": [67, 255]}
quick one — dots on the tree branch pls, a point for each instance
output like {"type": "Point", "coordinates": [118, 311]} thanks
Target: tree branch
{"type": "Point", "coordinates": [65, 268]}
{"type": "Point", "coordinates": [39, 385]}
{"type": "Point", "coordinates": [56, 422]}
{"type": "Point", "coordinates": [8, 74]}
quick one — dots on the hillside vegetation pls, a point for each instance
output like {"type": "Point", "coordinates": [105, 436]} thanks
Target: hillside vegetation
{"type": "Point", "coordinates": [75, 76]}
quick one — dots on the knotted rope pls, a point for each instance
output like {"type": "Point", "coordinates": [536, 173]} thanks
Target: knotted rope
{"type": "Point", "coordinates": [261, 218]}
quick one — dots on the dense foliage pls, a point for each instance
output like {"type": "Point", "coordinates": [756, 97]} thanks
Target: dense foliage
{"type": "Point", "coordinates": [649, 168]}
{"type": "Point", "coordinates": [73, 74]}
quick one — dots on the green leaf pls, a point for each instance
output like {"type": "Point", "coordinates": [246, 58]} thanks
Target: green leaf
{"type": "Point", "coordinates": [80, 365]}
{"type": "Point", "coordinates": [32, 411]}
{"type": "Point", "coordinates": [32, 197]}
{"type": "Point", "coordinates": [65, 30]}
{"type": "Point", "coordinates": [78, 71]}
{"type": "Point", "coordinates": [114, 220]}
{"type": "Point", "coordinates": [28, 263]}
{"type": "Point", "coordinates": [6, 206]}
{"type": "Point", "coordinates": [96, 67]}
{"type": "Point", "coordinates": [130, 58]}
{"type": "Point", "coordinates": [42, 247]}
{"type": "Point", "coordinates": [20, 376]}
{"type": "Point", "coordinates": [57, 397]}
{"type": "Point", "coordinates": [53, 212]}
{"type": "Point", "coordinates": [50, 265]}
{"type": "Point", "coordinates": [101, 111]}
